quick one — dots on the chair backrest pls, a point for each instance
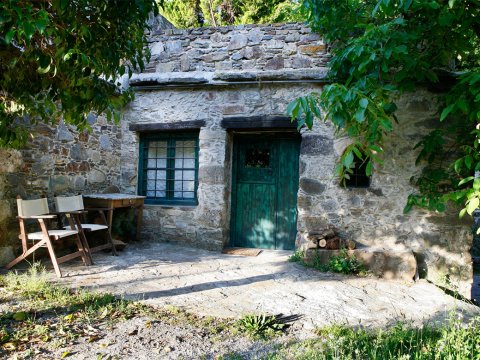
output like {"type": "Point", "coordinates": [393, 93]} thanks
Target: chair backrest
{"type": "Point", "coordinates": [69, 203]}
{"type": "Point", "coordinates": [32, 207]}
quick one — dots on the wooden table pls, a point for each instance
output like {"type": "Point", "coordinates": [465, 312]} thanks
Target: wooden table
{"type": "Point", "coordinates": [115, 201]}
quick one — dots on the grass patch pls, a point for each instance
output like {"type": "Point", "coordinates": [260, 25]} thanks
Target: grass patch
{"type": "Point", "coordinates": [452, 341]}
{"type": "Point", "coordinates": [343, 263]}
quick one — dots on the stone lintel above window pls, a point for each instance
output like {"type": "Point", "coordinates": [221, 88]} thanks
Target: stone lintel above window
{"type": "Point", "coordinates": [258, 122]}
{"type": "Point", "coordinates": [175, 126]}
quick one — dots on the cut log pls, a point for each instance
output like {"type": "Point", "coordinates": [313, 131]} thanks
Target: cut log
{"type": "Point", "coordinates": [322, 243]}
{"type": "Point", "coordinates": [312, 245]}
{"type": "Point", "coordinates": [333, 243]}
{"type": "Point", "coordinates": [351, 245]}
{"type": "Point", "coordinates": [329, 234]}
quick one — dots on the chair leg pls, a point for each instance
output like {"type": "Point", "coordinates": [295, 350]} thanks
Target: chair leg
{"type": "Point", "coordinates": [110, 240]}
{"type": "Point", "coordinates": [82, 246]}
{"type": "Point", "coordinates": [76, 223]}
{"type": "Point", "coordinates": [53, 258]}
{"type": "Point", "coordinates": [109, 234]}
{"type": "Point", "coordinates": [24, 255]}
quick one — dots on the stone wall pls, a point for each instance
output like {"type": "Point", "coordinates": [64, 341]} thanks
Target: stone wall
{"type": "Point", "coordinates": [374, 216]}
{"type": "Point", "coordinates": [246, 47]}
{"type": "Point", "coordinates": [57, 161]}
{"type": "Point", "coordinates": [205, 225]}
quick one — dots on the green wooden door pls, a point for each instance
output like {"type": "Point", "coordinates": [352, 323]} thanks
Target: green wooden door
{"type": "Point", "coordinates": [264, 191]}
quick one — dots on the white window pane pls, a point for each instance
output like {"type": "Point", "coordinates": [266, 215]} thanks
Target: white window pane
{"type": "Point", "coordinates": [161, 163]}
{"type": "Point", "coordinates": [151, 163]}
{"type": "Point", "coordinates": [188, 195]}
{"type": "Point", "coordinates": [162, 185]}
{"type": "Point", "coordinates": [178, 162]}
{"type": "Point", "coordinates": [189, 152]}
{"type": "Point", "coordinates": [178, 186]}
{"type": "Point", "coordinates": [151, 193]}
{"type": "Point", "coordinates": [162, 149]}
{"type": "Point", "coordinates": [152, 150]}
{"type": "Point", "coordinates": [160, 194]}
{"type": "Point", "coordinates": [178, 175]}
{"type": "Point", "coordinates": [177, 194]}
{"type": "Point", "coordinates": [161, 174]}
{"type": "Point", "coordinates": [189, 175]}
{"type": "Point", "coordinates": [189, 144]}
{"type": "Point", "coordinates": [179, 149]}
{"type": "Point", "coordinates": [188, 185]}
{"type": "Point", "coordinates": [150, 174]}
{"type": "Point", "coordinates": [150, 185]}
{"type": "Point", "coordinates": [189, 163]}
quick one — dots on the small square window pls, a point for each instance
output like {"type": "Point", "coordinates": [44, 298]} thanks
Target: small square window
{"type": "Point", "coordinates": [358, 178]}
{"type": "Point", "coordinates": [257, 158]}
{"type": "Point", "coordinates": [168, 169]}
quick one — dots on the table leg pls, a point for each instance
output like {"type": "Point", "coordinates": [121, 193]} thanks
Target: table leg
{"type": "Point", "coordinates": [110, 220]}
{"type": "Point", "coordinates": [139, 221]}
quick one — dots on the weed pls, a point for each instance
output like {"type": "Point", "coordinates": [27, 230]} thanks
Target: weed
{"type": "Point", "coordinates": [260, 326]}
{"type": "Point", "coordinates": [343, 263]}
{"type": "Point", "coordinates": [297, 256]}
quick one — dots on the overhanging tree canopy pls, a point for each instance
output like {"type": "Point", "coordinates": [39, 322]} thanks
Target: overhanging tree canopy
{"type": "Point", "coordinates": [61, 58]}
{"type": "Point", "coordinates": [383, 48]}
{"type": "Point", "coordinates": [197, 13]}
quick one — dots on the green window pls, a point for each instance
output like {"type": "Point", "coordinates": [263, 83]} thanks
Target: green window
{"type": "Point", "coordinates": [168, 169]}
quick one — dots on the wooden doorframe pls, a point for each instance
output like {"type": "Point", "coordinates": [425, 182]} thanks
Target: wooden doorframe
{"type": "Point", "coordinates": [279, 133]}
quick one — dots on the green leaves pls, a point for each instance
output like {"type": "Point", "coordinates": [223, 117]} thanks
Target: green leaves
{"type": "Point", "coordinates": [383, 49]}
{"type": "Point", "coordinates": [472, 205]}
{"type": "Point", "coordinates": [9, 36]}
{"type": "Point", "coordinates": [348, 159]}
{"type": "Point", "coordinates": [360, 115]}
{"type": "Point", "coordinates": [446, 112]}
{"type": "Point", "coordinates": [304, 110]}
{"type": "Point", "coordinates": [56, 58]}
{"type": "Point", "coordinates": [363, 103]}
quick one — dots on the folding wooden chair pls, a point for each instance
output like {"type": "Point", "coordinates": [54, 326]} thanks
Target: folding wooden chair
{"type": "Point", "coordinates": [73, 208]}
{"type": "Point", "coordinates": [38, 210]}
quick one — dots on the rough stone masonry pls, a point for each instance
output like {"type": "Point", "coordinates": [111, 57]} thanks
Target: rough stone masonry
{"type": "Point", "coordinates": [205, 76]}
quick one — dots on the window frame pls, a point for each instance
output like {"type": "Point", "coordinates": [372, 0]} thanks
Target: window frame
{"type": "Point", "coordinates": [171, 138]}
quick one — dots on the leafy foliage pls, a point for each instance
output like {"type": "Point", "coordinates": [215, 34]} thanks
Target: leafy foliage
{"type": "Point", "coordinates": [382, 49]}
{"type": "Point", "coordinates": [297, 256]}
{"type": "Point", "coordinates": [62, 58]}
{"type": "Point", "coordinates": [183, 14]}
{"type": "Point", "coordinates": [260, 326]}
{"type": "Point", "coordinates": [343, 263]}
{"type": "Point", "coordinates": [197, 13]}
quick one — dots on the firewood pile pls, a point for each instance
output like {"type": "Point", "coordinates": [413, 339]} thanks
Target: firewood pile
{"type": "Point", "coordinates": [328, 239]}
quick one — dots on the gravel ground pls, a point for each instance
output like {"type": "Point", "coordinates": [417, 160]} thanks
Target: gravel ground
{"type": "Point", "coordinates": [140, 338]}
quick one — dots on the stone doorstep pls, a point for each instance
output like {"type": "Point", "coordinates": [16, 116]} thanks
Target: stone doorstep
{"type": "Point", "coordinates": [387, 264]}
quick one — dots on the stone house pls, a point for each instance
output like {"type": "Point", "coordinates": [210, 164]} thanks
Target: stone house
{"type": "Point", "coordinates": [208, 143]}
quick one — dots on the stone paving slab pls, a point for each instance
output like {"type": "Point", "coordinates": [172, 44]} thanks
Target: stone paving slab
{"type": "Point", "coordinates": [215, 284]}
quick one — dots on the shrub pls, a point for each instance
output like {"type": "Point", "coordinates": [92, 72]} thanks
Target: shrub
{"type": "Point", "coordinates": [343, 263]}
